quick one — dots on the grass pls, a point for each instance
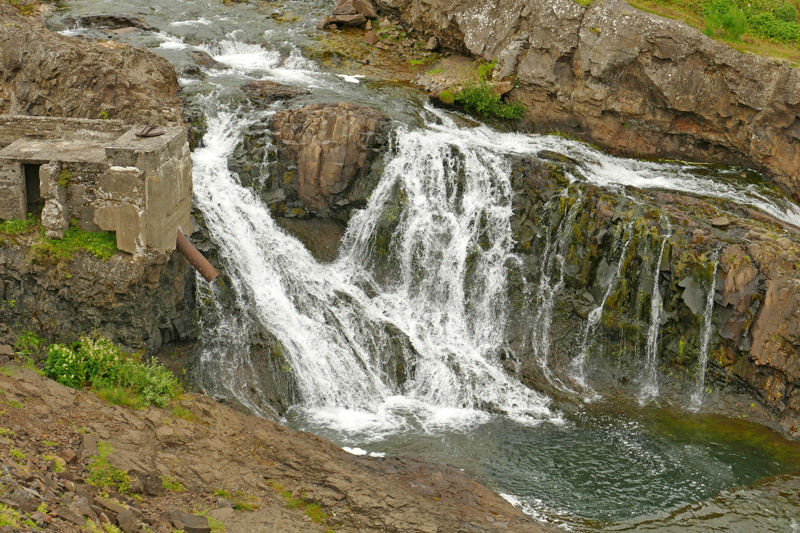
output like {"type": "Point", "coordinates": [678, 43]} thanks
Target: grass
{"type": "Point", "coordinates": [769, 28]}
{"type": "Point", "coordinates": [15, 404]}
{"type": "Point", "coordinates": [103, 475]}
{"type": "Point", "coordinates": [479, 99]}
{"type": "Point", "coordinates": [18, 455]}
{"type": "Point", "coordinates": [171, 484]}
{"type": "Point", "coordinates": [100, 244]}
{"type": "Point", "coordinates": [185, 414]}
{"type": "Point", "coordinates": [11, 518]}
{"type": "Point", "coordinates": [16, 226]}
{"type": "Point", "coordinates": [312, 510]}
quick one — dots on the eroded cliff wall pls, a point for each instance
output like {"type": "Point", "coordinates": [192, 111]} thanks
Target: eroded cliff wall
{"type": "Point", "coordinates": [629, 81]}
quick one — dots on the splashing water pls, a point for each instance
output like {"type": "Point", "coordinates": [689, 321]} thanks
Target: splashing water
{"type": "Point", "coordinates": [650, 378]}
{"type": "Point", "coordinates": [697, 395]}
{"type": "Point", "coordinates": [553, 262]}
{"type": "Point", "coordinates": [593, 319]}
{"type": "Point", "coordinates": [453, 225]}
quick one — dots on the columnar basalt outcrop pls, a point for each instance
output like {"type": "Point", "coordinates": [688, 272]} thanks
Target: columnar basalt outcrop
{"type": "Point", "coordinates": [334, 145]}
{"type": "Point", "coordinates": [45, 73]}
{"type": "Point", "coordinates": [632, 82]}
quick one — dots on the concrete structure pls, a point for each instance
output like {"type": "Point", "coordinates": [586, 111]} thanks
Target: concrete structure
{"type": "Point", "coordinates": [99, 175]}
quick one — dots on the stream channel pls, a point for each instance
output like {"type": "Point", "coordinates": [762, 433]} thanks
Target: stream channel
{"type": "Point", "coordinates": [582, 465]}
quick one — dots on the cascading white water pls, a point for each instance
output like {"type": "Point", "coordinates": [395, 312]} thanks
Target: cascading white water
{"type": "Point", "coordinates": [650, 374]}
{"type": "Point", "coordinates": [553, 261]}
{"type": "Point", "coordinates": [697, 396]}
{"type": "Point", "coordinates": [454, 218]}
{"type": "Point", "coordinates": [593, 319]}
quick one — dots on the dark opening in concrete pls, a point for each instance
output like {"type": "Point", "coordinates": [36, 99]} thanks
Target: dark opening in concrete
{"type": "Point", "coordinates": [32, 192]}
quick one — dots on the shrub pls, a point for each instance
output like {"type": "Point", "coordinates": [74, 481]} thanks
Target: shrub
{"type": "Point", "coordinates": [116, 376]}
{"type": "Point", "coordinates": [481, 100]}
{"type": "Point", "coordinates": [786, 12]}
{"type": "Point", "coordinates": [724, 17]}
{"type": "Point", "coordinates": [766, 25]}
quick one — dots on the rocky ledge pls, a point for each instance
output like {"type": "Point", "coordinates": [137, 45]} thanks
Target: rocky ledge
{"type": "Point", "coordinates": [632, 82]}
{"type": "Point", "coordinates": [71, 462]}
{"type": "Point", "coordinates": [48, 74]}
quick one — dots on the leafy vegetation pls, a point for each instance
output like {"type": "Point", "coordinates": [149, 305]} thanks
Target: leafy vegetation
{"type": "Point", "coordinates": [115, 375]}
{"type": "Point", "coordinates": [481, 100]}
{"type": "Point", "coordinates": [104, 476]}
{"type": "Point", "coordinates": [767, 27]}
{"type": "Point", "coordinates": [100, 244]}
{"type": "Point", "coordinates": [312, 510]}
{"type": "Point", "coordinates": [16, 226]}
{"type": "Point", "coordinates": [171, 484]}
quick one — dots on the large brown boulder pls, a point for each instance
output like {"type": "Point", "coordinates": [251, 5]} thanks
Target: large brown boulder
{"type": "Point", "coordinates": [45, 73]}
{"type": "Point", "coordinates": [627, 80]}
{"type": "Point", "coordinates": [333, 144]}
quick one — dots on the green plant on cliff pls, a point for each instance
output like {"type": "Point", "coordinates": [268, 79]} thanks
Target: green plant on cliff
{"type": "Point", "coordinates": [64, 178]}
{"type": "Point", "coordinates": [15, 226]}
{"type": "Point", "coordinates": [103, 475]}
{"type": "Point", "coordinates": [117, 376]}
{"type": "Point", "coordinates": [480, 99]}
{"type": "Point", "coordinates": [100, 244]}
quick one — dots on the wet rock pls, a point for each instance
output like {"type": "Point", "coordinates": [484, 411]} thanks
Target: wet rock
{"type": "Point", "coordinates": [693, 295]}
{"type": "Point", "coordinates": [205, 60]}
{"type": "Point", "coordinates": [332, 144]}
{"type": "Point", "coordinates": [349, 20]}
{"type": "Point", "coordinates": [265, 92]}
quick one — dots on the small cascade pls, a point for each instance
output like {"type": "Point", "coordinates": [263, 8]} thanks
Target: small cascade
{"type": "Point", "coordinates": [697, 396]}
{"type": "Point", "coordinates": [553, 261]}
{"type": "Point", "coordinates": [589, 328]}
{"type": "Point", "coordinates": [650, 378]}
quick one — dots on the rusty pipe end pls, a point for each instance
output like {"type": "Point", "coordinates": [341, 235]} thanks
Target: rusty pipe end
{"type": "Point", "coordinates": [195, 258]}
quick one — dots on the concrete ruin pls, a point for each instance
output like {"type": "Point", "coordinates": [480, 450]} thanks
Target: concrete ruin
{"type": "Point", "coordinates": [97, 175]}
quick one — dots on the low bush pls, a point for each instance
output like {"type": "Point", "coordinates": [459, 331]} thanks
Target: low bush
{"type": "Point", "coordinates": [481, 100]}
{"type": "Point", "coordinates": [116, 376]}
{"type": "Point", "coordinates": [723, 17]}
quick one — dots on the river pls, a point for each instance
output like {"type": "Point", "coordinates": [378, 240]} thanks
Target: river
{"type": "Point", "coordinates": [580, 465]}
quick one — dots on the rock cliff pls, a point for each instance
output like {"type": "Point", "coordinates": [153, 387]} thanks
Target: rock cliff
{"type": "Point", "coordinates": [629, 81]}
{"type": "Point", "coordinates": [45, 73]}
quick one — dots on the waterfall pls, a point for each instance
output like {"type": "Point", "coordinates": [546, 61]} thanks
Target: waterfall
{"type": "Point", "coordinates": [650, 378]}
{"type": "Point", "coordinates": [697, 395]}
{"type": "Point", "coordinates": [553, 261]}
{"type": "Point", "coordinates": [593, 319]}
{"type": "Point", "coordinates": [444, 306]}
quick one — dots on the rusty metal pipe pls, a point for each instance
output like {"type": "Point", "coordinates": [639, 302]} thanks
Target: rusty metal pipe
{"type": "Point", "coordinates": [196, 259]}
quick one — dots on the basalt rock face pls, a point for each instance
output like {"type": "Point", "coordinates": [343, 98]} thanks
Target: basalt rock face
{"type": "Point", "coordinates": [629, 81]}
{"type": "Point", "coordinates": [610, 245]}
{"type": "Point", "coordinates": [45, 73]}
{"type": "Point", "coordinates": [139, 303]}
{"type": "Point", "coordinates": [334, 146]}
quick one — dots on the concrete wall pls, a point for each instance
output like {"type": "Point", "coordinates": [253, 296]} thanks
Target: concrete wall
{"type": "Point", "coordinates": [102, 175]}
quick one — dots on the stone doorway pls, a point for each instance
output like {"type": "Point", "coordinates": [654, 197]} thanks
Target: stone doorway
{"type": "Point", "coordinates": [33, 194]}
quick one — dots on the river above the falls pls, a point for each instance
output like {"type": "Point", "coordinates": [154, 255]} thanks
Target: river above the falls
{"type": "Point", "coordinates": [582, 466]}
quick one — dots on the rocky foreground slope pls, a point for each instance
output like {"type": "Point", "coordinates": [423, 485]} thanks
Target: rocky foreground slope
{"type": "Point", "coordinates": [203, 459]}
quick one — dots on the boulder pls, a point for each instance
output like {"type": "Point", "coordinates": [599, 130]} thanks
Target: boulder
{"type": "Point", "coordinates": [332, 144]}
{"type": "Point", "coordinates": [46, 73]}
{"type": "Point", "coordinates": [266, 92]}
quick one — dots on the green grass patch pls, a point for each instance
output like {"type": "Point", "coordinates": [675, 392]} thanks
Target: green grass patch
{"type": "Point", "coordinates": [18, 456]}
{"type": "Point", "coordinates": [15, 404]}
{"type": "Point", "coordinates": [765, 27]}
{"type": "Point", "coordinates": [182, 413]}
{"type": "Point", "coordinates": [312, 510]}
{"type": "Point", "coordinates": [11, 518]}
{"type": "Point", "coordinates": [104, 476]}
{"type": "Point", "coordinates": [479, 99]}
{"type": "Point", "coordinates": [171, 484]}
{"type": "Point", "coordinates": [102, 245]}
{"type": "Point", "coordinates": [116, 375]}
{"type": "Point", "coordinates": [16, 226]}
